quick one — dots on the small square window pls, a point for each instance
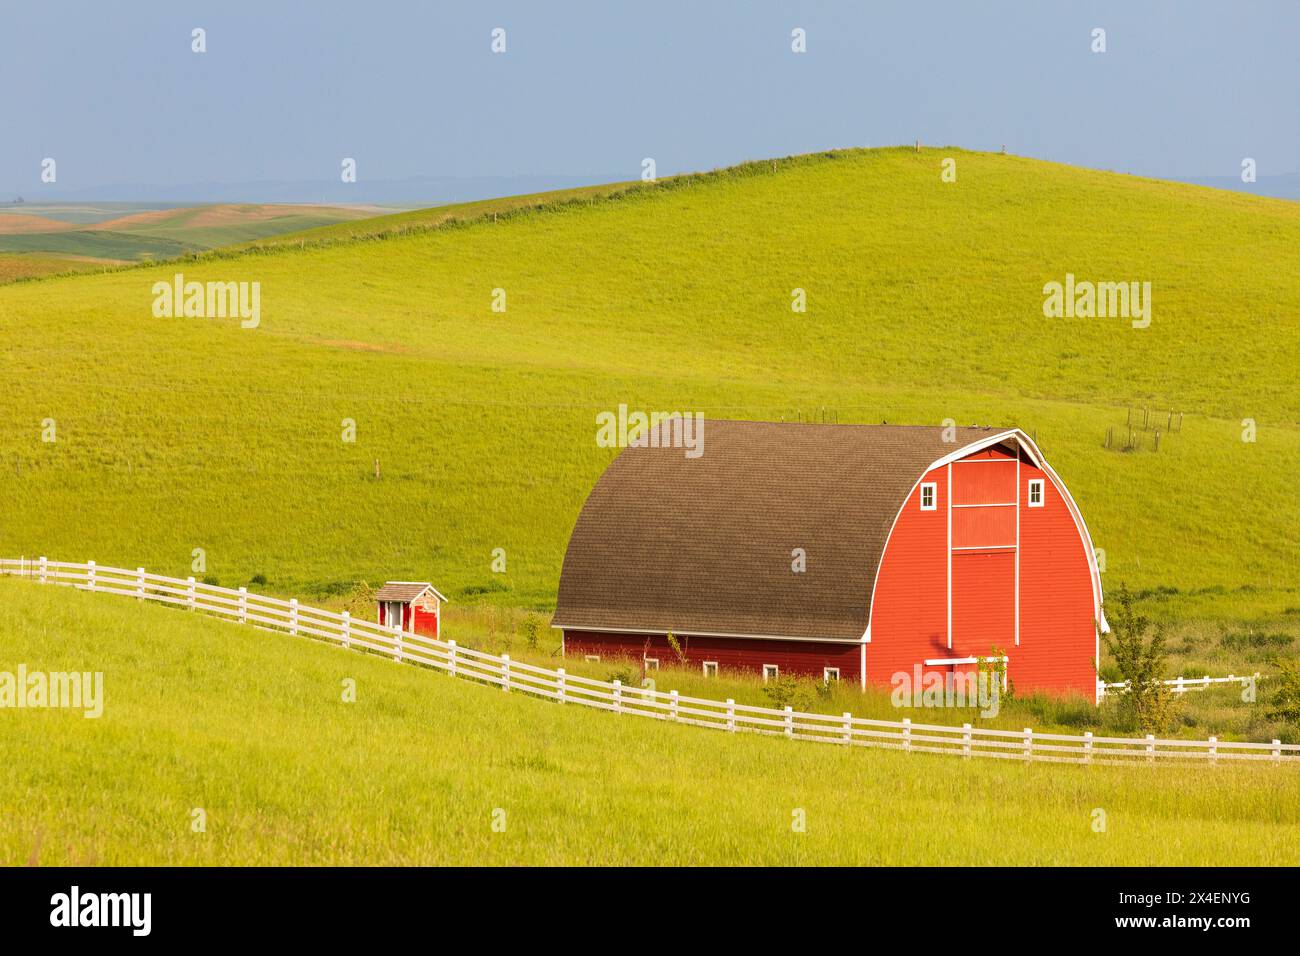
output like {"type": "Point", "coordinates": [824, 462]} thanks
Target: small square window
{"type": "Point", "coordinates": [771, 671]}
{"type": "Point", "coordinates": [829, 674]}
{"type": "Point", "coordinates": [710, 668]}
{"type": "Point", "coordinates": [652, 663]}
{"type": "Point", "coordinates": [592, 658]}
{"type": "Point", "coordinates": [928, 496]}
{"type": "Point", "coordinates": [1035, 492]}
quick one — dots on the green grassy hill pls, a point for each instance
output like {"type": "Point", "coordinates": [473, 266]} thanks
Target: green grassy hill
{"type": "Point", "coordinates": [924, 303]}
{"type": "Point", "coordinates": [251, 728]}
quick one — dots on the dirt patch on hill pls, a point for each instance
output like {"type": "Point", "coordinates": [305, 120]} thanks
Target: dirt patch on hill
{"type": "Point", "coordinates": [12, 224]}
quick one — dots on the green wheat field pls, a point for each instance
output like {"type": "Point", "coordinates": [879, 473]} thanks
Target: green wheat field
{"type": "Point", "coordinates": [924, 303]}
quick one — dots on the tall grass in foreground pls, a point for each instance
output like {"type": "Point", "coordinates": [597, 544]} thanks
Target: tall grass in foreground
{"type": "Point", "coordinates": [251, 727]}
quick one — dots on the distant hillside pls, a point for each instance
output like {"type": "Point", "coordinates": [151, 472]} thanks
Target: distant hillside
{"type": "Point", "coordinates": [924, 303]}
{"type": "Point", "coordinates": [34, 235]}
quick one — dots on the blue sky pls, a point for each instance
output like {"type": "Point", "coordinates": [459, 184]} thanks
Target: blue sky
{"type": "Point", "coordinates": [586, 90]}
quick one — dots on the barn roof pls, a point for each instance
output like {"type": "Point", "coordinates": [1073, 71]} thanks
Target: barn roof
{"type": "Point", "coordinates": [406, 591]}
{"type": "Point", "coordinates": [703, 545]}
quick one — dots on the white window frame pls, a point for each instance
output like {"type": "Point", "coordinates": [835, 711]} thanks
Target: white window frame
{"type": "Point", "coordinates": [591, 658]}
{"type": "Point", "coordinates": [933, 488]}
{"type": "Point", "coordinates": [770, 672]}
{"type": "Point", "coordinates": [710, 664]}
{"type": "Point", "coordinates": [1042, 492]}
{"type": "Point", "coordinates": [651, 663]}
{"type": "Point", "coordinates": [827, 672]}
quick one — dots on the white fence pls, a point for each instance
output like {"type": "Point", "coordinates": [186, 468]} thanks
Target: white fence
{"type": "Point", "coordinates": [1182, 685]}
{"type": "Point", "coordinates": [557, 685]}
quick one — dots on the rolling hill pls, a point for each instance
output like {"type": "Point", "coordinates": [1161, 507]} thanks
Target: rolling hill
{"type": "Point", "coordinates": [251, 728]}
{"type": "Point", "coordinates": [924, 302]}
{"type": "Point", "coordinates": [34, 236]}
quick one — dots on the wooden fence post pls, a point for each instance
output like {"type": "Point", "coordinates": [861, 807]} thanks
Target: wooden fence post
{"type": "Point", "coordinates": [907, 733]}
{"type": "Point", "coordinates": [559, 683]}
{"type": "Point", "coordinates": [243, 605]}
{"type": "Point", "coordinates": [505, 678]}
{"type": "Point", "coordinates": [1178, 684]}
{"type": "Point", "coordinates": [789, 721]}
{"type": "Point", "coordinates": [848, 727]}
{"type": "Point", "coordinates": [731, 715]}
{"type": "Point", "coordinates": [293, 616]}
{"type": "Point", "coordinates": [1151, 748]}
{"type": "Point", "coordinates": [397, 642]}
{"type": "Point", "coordinates": [1029, 743]}
{"type": "Point", "coordinates": [45, 568]}
{"type": "Point", "coordinates": [1087, 746]}
{"type": "Point", "coordinates": [90, 575]}
{"type": "Point", "coordinates": [347, 629]}
{"type": "Point", "coordinates": [672, 705]}
{"type": "Point", "coordinates": [189, 592]}
{"type": "Point", "coordinates": [139, 584]}
{"type": "Point", "coordinates": [451, 658]}
{"type": "Point", "coordinates": [965, 740]}
{"type": "Point", "coordinates": [1277, 751]}
{"type": "Point", "coordinates": [1214, 750]}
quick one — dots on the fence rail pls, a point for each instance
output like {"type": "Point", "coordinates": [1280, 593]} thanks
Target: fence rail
{"type": "Point", "coordinates": [1182, 685]}
{"type": "Point", "coordinates": [510, 676]}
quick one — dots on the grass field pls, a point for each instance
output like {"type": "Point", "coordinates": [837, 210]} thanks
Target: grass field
{"type": "Point", "coordinates": [251, 728]}
{"type": "Point", "coordinates": [29, 265]}
{"type": "Point", "coordinates": [924, 303]}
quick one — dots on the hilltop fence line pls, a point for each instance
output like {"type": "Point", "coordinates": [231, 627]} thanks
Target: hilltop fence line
{"type": "Point", "coordinates": [340, 628]}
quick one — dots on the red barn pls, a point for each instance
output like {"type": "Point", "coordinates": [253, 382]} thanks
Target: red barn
{"type": "Point", "coordinates": [414, 606]}
{"type": "Point", "coordinates": [851, 552]}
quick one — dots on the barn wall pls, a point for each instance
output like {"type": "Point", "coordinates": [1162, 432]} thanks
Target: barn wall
{"type": "Point", "coordinates": [743, 655]}
{"type": "Point", "coordinates": [909, 621]}
{"type": "Point", "coordinates": [909, 615]}
{"type": "Point", "coordinates": [1058, 640]}
{"type": "Point", "coordinates": [426, 622]}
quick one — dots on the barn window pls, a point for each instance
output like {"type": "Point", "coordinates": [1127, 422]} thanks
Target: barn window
{"type": "Point", "coordinates": [652, 663]}
{"type": "Point", "coordinates": [770, 672]}
{"type": "Point", "coordinates": [829, 674]}
{"type": "Point", "coordinates": [1035, 492]}
{"type": "Point", "coordinates": [710, 668]}
{"type": "Point", "coordinates": [928, 496]}
{"type": "Point", "coordinates": [593, 658]}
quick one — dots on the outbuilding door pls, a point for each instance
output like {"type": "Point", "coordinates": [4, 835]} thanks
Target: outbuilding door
{"type": "Point", "coordinates": [394, 614]}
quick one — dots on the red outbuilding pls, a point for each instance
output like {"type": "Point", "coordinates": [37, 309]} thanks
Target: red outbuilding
{"type": "Point", "coordinates": [414, 606]}
{"type": "Point", "coordinates": [849, 552]}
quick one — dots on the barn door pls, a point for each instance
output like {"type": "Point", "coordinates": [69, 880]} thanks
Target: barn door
{"type": "Point", "coordinates": [985, 531]}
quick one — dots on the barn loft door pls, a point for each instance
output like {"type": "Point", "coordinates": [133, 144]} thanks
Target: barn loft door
{"type": "Point", "coordinates": [984, 530]}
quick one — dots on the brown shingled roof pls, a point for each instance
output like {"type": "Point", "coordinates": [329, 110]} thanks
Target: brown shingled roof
{"type": "Point", "coordinates": [704, 545]}
{"type": "Point", "coordinates": [404, 591]}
